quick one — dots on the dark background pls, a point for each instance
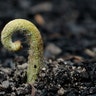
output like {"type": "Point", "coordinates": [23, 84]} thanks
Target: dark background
{"type": "Point", "coordinates": [67, 26]}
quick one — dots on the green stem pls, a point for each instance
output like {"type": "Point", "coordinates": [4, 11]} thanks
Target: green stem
{"type": "Point", "coordinates": [35, 59]}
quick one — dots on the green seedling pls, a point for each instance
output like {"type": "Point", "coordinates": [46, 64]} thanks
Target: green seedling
{"type": "Point", "coordinates": [35, 59]}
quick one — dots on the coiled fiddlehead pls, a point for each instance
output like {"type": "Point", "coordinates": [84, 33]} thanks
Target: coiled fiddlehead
{"type": "Point", "coordinates": [35, 59]}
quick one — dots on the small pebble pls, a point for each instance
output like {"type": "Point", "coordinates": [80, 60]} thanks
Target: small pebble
{"type": "Point", "coordinates": [61, 91]}
{"type": "Point", "coordinates": [5, 84]}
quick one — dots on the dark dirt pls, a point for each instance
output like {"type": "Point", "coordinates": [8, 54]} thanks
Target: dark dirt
{"type": "Point", "coordinates": [68, 29]}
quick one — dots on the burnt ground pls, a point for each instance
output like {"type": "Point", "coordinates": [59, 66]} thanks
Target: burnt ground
{"type": "Point", "coordinates": [68, 29]}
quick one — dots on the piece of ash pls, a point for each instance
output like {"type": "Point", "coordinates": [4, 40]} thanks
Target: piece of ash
{"type": "Point", "coordinates": [57, 78]}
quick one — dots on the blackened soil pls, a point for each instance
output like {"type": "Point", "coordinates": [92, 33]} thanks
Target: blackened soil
{"type": "Point", "coordinates": [57, 78]}
{"type": "Point", "coordinates": [68, 29]}
{"type": "Point", "coordinates": [66, 78]}
{"type": "Point", "coordinates": [13, 81]}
